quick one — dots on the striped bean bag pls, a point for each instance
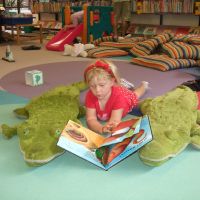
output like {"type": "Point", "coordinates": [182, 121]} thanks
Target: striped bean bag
{"type": "Point", "coordinates": [126, 43]}
{"type": "Point", "coordinates": [119, 45]}
{"type": "Point", "coordinates": [103, 39]}
{"type": "Point", "coordinates": [163, 62]}
{"type": "Point", "coordinates": [181, 50]}
{"type": "Point", "coordinates": [102, 52]}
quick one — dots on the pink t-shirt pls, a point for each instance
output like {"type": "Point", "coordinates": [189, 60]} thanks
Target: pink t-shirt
{"type": "Point", "coordinates": [120, 98]}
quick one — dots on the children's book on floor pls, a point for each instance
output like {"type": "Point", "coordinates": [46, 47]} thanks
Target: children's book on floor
{"type": "Point", "coordinates": [106, 150]}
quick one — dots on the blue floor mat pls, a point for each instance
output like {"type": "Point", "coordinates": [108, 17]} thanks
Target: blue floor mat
{"type": "Point", "coordinates": [8, 98]}
{"type": "Point", "coordinates": [128, 58]}
{"type": "Point", "coordinates": [70, 177]}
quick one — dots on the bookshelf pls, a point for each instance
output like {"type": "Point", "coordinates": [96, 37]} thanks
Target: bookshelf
{"type": "Point", "coordinates": [166, 12]}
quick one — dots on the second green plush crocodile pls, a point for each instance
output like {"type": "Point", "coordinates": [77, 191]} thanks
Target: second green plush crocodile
{"type": "Point", "coordinates": [175, 124]}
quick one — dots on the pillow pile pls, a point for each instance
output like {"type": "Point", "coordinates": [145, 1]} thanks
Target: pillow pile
{"type": "Point", "coordinates": [144, 48]}
{"type": "Point", "coordinates": [147, 47]}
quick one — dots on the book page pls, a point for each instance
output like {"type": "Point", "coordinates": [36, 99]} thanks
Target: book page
{"type": "Point", "coordinates": [81, 135]}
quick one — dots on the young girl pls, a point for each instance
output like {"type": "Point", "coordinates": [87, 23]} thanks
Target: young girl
{"type": "Point", "coordinates": [106, 99]}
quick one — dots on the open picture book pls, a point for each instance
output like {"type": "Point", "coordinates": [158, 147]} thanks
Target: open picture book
{"type": "Point", "coordinates": [108, 149]}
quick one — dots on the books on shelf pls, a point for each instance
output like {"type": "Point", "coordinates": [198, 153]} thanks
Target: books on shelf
{"type": "Point", "coordinates": [197, 8]}
{"type": "Point", "coordinates": [51, 24]}
{"type": "Point", "coordinates": [162, 6]}
{"type": "Point", "coordinates": [108, 149]}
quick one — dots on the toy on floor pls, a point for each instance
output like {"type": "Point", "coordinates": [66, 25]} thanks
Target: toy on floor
{"type": "Point", "coordinates": [46, 117]}
{"type": "Point", "coordinates": [31, 47]}
{"type": "Point", "coordinates": [8, 55]}
{"type": "Point", "coordinates": [34, 78]}
{"type": "Point", "coordinates": [78, 49]}
{"type": "Point", "coordinates": [175, 124]}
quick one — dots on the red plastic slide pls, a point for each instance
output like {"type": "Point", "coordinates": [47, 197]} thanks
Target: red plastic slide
{"type": "Point", "coordinates": [64, 37]}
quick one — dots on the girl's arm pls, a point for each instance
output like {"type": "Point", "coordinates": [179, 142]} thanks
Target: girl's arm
{"type": "Point", "coordinates": [92, 121]}
{"type": "Point", "coordinates": [115, 119]}
{"type": "Point", "coordinates": [96, 126]}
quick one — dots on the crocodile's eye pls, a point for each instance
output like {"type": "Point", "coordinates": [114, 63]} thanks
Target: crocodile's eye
{"type": "Point", "coordinates": [57, 132]}
{"type": "Point", "coordinates": [26, 131]}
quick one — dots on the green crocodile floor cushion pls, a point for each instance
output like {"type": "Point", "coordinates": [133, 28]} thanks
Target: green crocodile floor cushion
{"type": "Point", "coordinates": [175, 123]}
{"type": "Point", "coordinates": [46, 116]}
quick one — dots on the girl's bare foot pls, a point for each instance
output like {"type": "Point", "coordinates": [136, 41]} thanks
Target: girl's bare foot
{"type": "Point", "coordinates": [145, 84]}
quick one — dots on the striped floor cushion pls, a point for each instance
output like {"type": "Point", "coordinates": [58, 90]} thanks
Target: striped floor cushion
{"type": "Point", "coordinates": [182, 50]}
{"type": "Point", "coordinates": [120, 45]}
{"type": "Point", "coordinates": [194, 40]}
{"type": "Point", "coordinates": [163, 62]}
{"type": "Point", "coordinates": [191, 39]}
{"type": "Point", "coordinates": [132, 39]}
{"type": "Point", "coordinates": [149, 46]}
{"type": "Point", "coordinates": [103, 39]}
{"type": "Point", "coordinates": [102, 52]}
{"type": "Point", "coordinates": [163, 38]}
{"type": "Point", "coordinates": [126, 43]}
{"type": "Point", "coordinates": [144, 48]}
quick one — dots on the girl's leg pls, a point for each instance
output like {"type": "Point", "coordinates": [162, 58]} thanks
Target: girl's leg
{"type": "Point", "coordinates": [141, 90]}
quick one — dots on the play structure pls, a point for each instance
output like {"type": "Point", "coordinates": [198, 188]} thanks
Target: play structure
{"type": "Point", "coordinates": [97, 21]}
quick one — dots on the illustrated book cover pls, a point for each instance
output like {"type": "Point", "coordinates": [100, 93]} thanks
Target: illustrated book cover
{"type": "Point", "coordinates": [108, 149]}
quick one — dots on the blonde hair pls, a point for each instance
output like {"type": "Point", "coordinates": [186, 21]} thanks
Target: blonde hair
{"type": "Point", "coordinates": [98, 71]}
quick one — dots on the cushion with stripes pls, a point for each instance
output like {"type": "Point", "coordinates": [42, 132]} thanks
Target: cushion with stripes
{"type": "Point", "coordinates": [148, 47]}
{"type": "Point", "coordinates": [119, 45]}
{"type": "Point", "coordinates": [183, 50]}
{"type": "Point", "coordinates": [101, 52]}
{"type": "Point", "coordinates": [163, 62]}
{"type": "Point", "coordinates": [126, 43]}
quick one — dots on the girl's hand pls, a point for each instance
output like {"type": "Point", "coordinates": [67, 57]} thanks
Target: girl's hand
{"type": "Point", "coordinates": [108, 128]}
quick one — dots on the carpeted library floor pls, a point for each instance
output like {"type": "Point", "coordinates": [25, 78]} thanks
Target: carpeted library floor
{"type": "Point", "coordinates": [70, 177]}
{"type": "Point", "coordinates": [63, 73]}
